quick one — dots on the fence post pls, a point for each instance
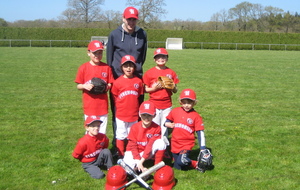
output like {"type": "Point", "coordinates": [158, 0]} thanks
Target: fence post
{"type": "Point", "coordinates": [236, 46]}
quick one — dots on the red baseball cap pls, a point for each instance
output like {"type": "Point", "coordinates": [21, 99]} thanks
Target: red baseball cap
{"type": "Point", "coordinates": [131, 12]}
{"type": "Point", "coordinates": [187, 94]}
{"type": "Point", "coordinates": [95, 45]}
{"type": "Point", "coordinates": [147, 107]}
{"type": "Point", "coordinates": [127, 58]}
{"type": "Point", "coordinates": [91, 119]}
{"type": "Point", "coordinates": [160, 51]}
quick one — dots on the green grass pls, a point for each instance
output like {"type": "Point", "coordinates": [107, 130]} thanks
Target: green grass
{"type": "Point", "coordinates": [249, 100]}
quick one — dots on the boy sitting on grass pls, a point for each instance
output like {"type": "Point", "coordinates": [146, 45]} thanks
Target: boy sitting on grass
{"type": "Point", "coordinates": [92, 149]}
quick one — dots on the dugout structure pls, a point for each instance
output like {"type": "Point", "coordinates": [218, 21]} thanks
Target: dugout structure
{"type": "Point", "coordinates": [174, 43]}
{"type": "Point", "coordinates": [102, 39]}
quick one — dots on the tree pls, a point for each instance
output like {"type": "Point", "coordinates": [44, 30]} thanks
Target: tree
{"type": "Point", "coordinates": [241, 13]}
{"type": "Point", "coordinates": [112, 18]}
{"type": "Point", "coordinates": [148, 10]}
{"type": "Point", "coordinates": [3, 23]}
{"type": "Point", "coordinates": [84, 11]}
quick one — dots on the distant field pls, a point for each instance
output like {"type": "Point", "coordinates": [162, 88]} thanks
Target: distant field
{"type": "Point", "coordinates": [249, 100]}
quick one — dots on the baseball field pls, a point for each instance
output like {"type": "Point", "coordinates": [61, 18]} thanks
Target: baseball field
{"type": "Point", "coordinates": [250, 102]}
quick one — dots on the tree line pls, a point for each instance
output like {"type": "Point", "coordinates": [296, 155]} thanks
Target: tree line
{"type": "Point", "coordinates": [244, 16]}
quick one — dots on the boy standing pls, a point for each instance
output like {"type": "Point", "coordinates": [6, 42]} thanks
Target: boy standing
{"type": "Point", "coordinates": [126, 90]}
{"type": "Point", "coordinates": [92, 150]}
{"type": "Point", "coordinates": [144, 139]}
{"type": "Point", "coordinates": [160, 96]}
{"type": "Point", "coordinates": [94, 104]}
{"type": "Point", "coordinates": [185, 121]}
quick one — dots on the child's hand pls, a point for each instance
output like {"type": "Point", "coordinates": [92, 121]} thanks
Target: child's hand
{"type": "Point", "coordinates": [88, 87]}
{"type": "Point", "coordinates": [140, 166]}
{"type": "Point", "coordinates": [170, 125]}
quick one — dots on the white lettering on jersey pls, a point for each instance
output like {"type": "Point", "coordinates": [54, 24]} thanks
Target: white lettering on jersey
{"type": "Point", "coordinates": [182, 126]}
{"type": "Point", "coordinates": [93, 154]}
{"type": "Point", "coordinates": [128, 92]}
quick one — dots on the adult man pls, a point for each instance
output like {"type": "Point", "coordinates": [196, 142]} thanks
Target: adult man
{"type": "Point", "coordinates": [127, 39]}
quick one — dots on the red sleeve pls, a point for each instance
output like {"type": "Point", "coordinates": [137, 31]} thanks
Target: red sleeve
{"type": "Point", "coordinates": [106, 142]}
{"type": "Point", "coordinates": [78, 151]}
{"type": "Point", "coordinates": [110, 77]}
{"type": "Point", "coordinates": [79, 76]}
{"type": "Point", "coordinates": [156, 131]}
{"type": "Point", "coordinates": [132, 143]}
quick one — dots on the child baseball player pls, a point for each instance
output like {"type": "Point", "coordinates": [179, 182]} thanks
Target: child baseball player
{"type": "Point", "coordinates": [160, 96]}
{"type": "Point", "coordinates": [94, 104]}
{"type": "Point", "coordinates": [185, 121]}
{"type": "Point", "coordinates": [144, 139]}
{"type": "Point", "coordinates": [126, 90]}
{"type": "Point", "coordinates": [92, 150]}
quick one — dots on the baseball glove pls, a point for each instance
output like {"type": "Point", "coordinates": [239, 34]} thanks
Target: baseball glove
{"type": "Point", "coordinates": [99, 86]}
{"type": "Point", "coordinates": [166, 82]}
{"type": "Point", "coordinates": [204, 160]}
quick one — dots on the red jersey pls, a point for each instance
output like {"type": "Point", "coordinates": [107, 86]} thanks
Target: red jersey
{"type": "Point", "coordinates": [94, 104]}
{"type": "Point", "coordinates": [186, 123]}
{"type": "Point", "coordinates": [126, 92]}
{"type": "Point", "coordinates": [141, 139]}
{"type": "Point", "coordinates": [161, 98]}
{"type": "Point", "coordinates": [89, 147]}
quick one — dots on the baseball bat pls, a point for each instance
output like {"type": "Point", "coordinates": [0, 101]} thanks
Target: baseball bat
{"type": "Point", "coordinates": [130, 171]}
{"type": "Point", "coordinates": [148, 172]}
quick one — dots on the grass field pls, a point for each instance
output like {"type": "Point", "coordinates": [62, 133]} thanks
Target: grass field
{"type": "Point", "coordinates": [249, 100]}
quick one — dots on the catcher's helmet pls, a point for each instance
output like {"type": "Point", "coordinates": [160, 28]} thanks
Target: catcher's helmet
{"type": "Point", "coordinates": [164, 178]}
{"type": "Point", "coordinates": [116, 177]}
{"type": "Point", "coordinates": [160, 51]}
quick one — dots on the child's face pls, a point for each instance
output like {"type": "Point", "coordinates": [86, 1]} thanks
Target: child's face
{"type": "Point", "coordinates": [161, 59]}
{"type": "Point", "coordinates": [187, 104]}
{"type": "Point", "coordinates": [146, 119]}
{"type": "Point", "coordinates": [96, 56]}
{"type": "Point", "coordinates": [128, 69]}
{"type": "Point", "coordinates": [93, 128]}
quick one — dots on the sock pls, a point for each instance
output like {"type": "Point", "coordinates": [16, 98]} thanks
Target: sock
{"type": "Point", "coordinates": [120, 144]}
{"type": "Point", "coordinates": [193, 163]}
{"type": "Point", "coordinates": [159, 156]}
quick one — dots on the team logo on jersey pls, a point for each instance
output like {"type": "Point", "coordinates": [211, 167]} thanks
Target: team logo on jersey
{"type": "Point", "coordinates": [169, 76]}
{"type": "Point", "coordinates": [190, 121]}
{"type": "Point", "coordinates": [104, 74]}
{"type": "Point", "coordinates": [136, 86]}
{"type": "Point", "coordinates": [149, 135]}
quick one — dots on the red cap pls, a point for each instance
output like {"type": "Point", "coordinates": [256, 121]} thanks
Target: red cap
{"type": "Point", "coordinates": [147, 107]}
{"type": "Point", "coordinates": [187, 94]}
{"type": "Point", "coordinates": [127, 58]}
{"type": "Point", "coordinates": [95, 46]}
{"type": "Point", "coordinates": [91, 119]}
{"type": "Point", "coordinates": [160, 51]}
{"type": "Point", "coordinates": [131, 12]}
